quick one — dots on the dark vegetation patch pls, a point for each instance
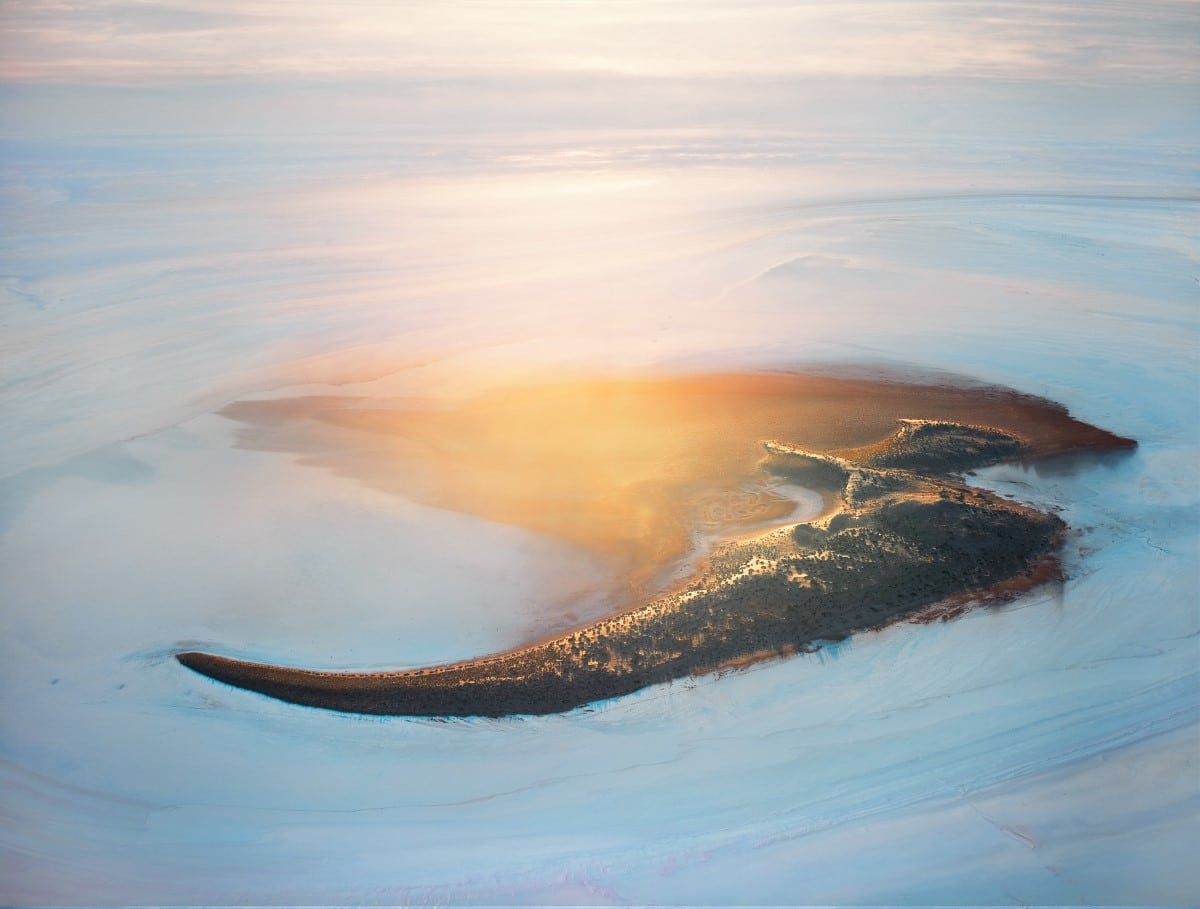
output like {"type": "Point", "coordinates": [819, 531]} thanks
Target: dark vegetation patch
{"type": "Point", "coordinates": [811, 471]}
{"type": "Point", "coordinates": [944, 448]}
{"type": "Point", "coordinates": [905, 540]}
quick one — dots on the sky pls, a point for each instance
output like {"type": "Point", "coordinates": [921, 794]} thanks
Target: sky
{"type": "Point", "coordinates": [203, 68]}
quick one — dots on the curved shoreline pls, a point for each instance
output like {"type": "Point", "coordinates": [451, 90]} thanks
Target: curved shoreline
{"type": "Point", "coordinates": [906, 540]}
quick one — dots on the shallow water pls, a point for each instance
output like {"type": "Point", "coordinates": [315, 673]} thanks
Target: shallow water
{"type": "Point", "coordinates": [130, 778]}
{"type": "Point", "coordinates": [1042, 752]}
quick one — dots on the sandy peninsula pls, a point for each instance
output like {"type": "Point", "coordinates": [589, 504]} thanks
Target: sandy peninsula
{"type": "Point", "coordinates": [632, 468]}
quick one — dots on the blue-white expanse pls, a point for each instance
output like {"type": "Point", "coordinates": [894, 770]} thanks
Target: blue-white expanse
{"type": "Point", "coordinates": [204, 202]}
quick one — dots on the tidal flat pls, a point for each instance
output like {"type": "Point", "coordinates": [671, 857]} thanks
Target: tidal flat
{"type": "Point", "coordinates": [632, 467]}
{"type": "Point", "coordinates": [1004, 193]}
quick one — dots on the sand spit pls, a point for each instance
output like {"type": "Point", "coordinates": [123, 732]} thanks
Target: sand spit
{"type": "Point", "coordinates": [620, 467]}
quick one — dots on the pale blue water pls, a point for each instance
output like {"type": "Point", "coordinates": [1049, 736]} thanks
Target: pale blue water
{"type": "Point", "coordinates": [1038, 234]}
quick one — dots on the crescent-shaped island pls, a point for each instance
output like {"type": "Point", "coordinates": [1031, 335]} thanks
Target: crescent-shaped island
{"type": "Point", "coordinates": [631, 468]}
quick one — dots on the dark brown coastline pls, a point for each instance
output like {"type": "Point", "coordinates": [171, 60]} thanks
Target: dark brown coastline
{"type": "Point", "coordinates": [906, 540]}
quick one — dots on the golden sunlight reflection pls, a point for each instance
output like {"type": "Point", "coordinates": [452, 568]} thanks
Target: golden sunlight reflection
{"type": "Point", "coordinates": [630, 468]}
